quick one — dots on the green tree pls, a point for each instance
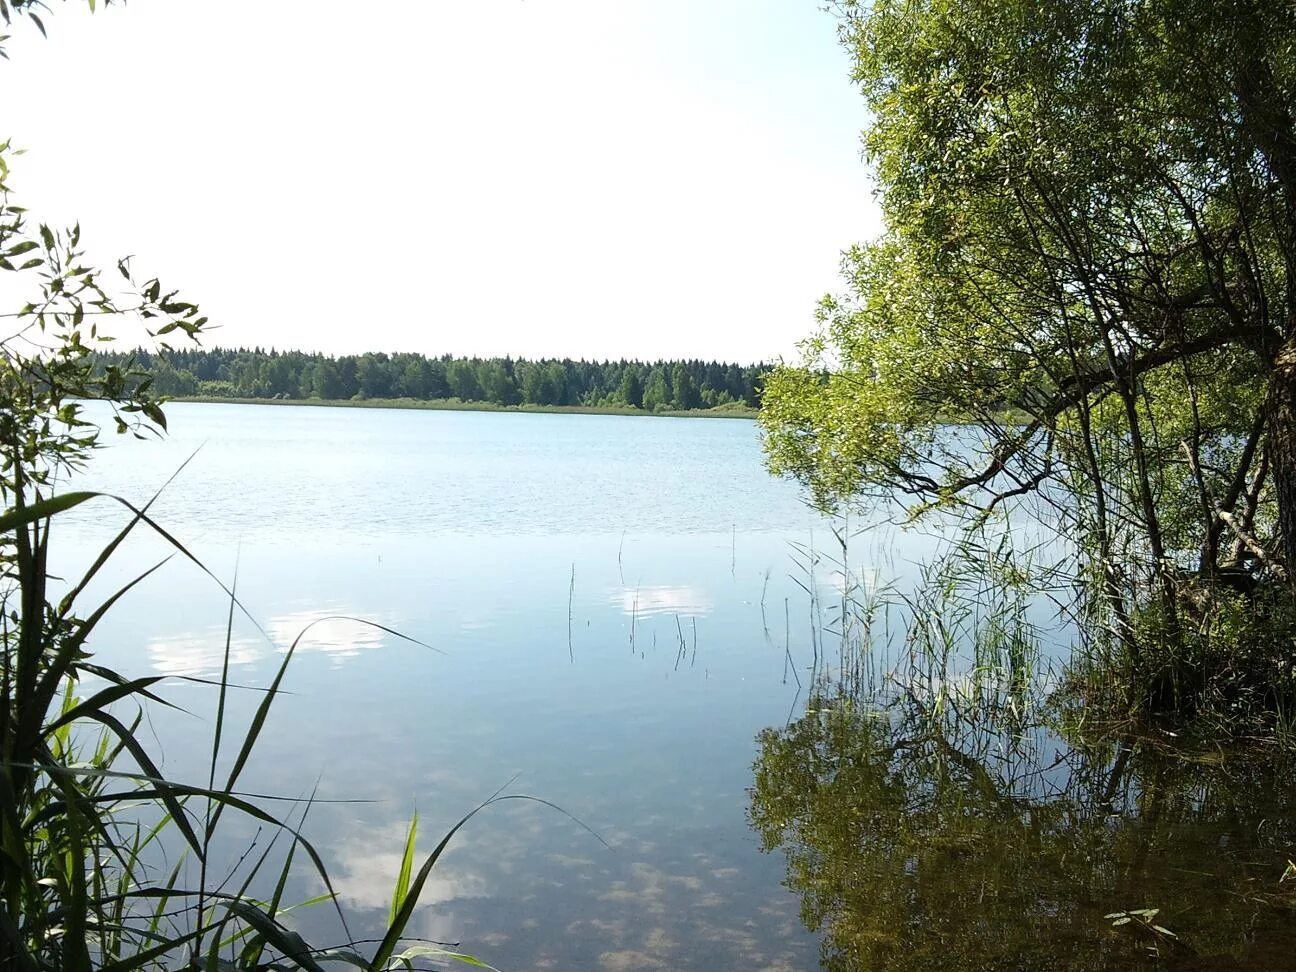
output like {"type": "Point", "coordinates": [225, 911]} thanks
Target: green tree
{"type": "Point", "coordinates": [279, 375]}
{"type": "Point", "coordinates": [437, 385]}
{"type": "Point", "coordinates": [306, 381]}
{"type": "Point", "coordinates": [684, 393]}
{"type": "Point", "coordinates": [1091, 224]}
{"type": "Point", "coordinates": [631, 389]}
{"type": "Point", "coordinates": [328, 381]}
{"type": "Point", "coordinates": [373, 376]}
{"type": "Point", "coordinates": [461, 377]}
{"type": "Point", "coordinates": [170, 382]}
{"type": "Point", "coordinates": [497, 383]}
{"type": "Point", "coordinates": [543, 382]}
{"type": "Point", "coordinates": [348, 376]}
{"type": "Point", "coordinates": [414, 379]}
{"type": "Point", "coordinates": [657, 392]}
{"type": "Point", "coordinates": [556, 384]}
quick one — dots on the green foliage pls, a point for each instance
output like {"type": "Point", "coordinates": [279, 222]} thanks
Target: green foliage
{"type": "Point", "coordinates": [940, 804]}
{"type": "Point", "coordinates": [258, 373]}
{"type": "Point", "coordinates": [630, 390]}
{"type": "Point", "coordinates": [1088, 265]}
{"type": "Point", "coordinates": [1227, 674]}
{"type": "Point", "coordinates": [657, 392]}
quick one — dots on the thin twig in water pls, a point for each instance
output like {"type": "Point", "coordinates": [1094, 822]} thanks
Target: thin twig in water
{"type": "Point", "coordinates": [679, 630]}
{"type": "Point", "coordinates": [571, 590]}
{"type": "Point", "coordinates": [634, 614]}
{"type": "Point", "coordinates": [787, 647]}
{"type": "Point", "coordinates": [764, 589]}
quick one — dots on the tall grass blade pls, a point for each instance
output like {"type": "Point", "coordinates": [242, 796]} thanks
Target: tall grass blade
{"type": "Point", "coordinates": [396, 928]}
{"type": "Point", "coordinates": [291, 945]}
{"type": "Point", "coordinates": [25, 514]}
{"type": "Point", "coordinates": [401, 891]}
{"type": "Point", "coordinates": [106, 553]}
{"type": "Point", "coordinates": [150, 768]}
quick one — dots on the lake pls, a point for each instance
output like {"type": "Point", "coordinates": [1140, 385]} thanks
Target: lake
{"type": "Point", "coordinates": [625, 617]}
{"type": "Point", "coordinates": [606, 600]}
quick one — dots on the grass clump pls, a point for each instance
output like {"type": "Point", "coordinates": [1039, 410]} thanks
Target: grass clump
{"type": "Point", "coordinates": [1225, 671]}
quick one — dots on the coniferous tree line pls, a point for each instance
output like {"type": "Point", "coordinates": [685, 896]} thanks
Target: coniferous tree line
{"type": "Point", "coordinates": [272, 374]}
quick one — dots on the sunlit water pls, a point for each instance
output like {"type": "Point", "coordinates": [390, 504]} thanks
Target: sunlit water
{"type": "Point", "coordinates": [609, 605]}
{"type": "Point", "coordinates": [618, 615]}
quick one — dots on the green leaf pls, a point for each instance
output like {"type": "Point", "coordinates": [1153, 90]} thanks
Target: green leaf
{"type": "Point", "coordinates": [401, 891]}
{"type": "Point", "coordinates": [292, 946]}
{"type": "Point", "coordinates": [13, 518]}
{"type": "Point", "coordinates": [432, 951]}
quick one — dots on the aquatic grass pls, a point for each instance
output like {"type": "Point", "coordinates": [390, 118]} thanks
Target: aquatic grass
{"type": "Point", "coordinates": [1224, 673]}
{"type": "Point", "coordinates": [960, 636]}
{"type": "Point", "coordinates": [944, 812]}
{"type": "Point", "coordinates": [571, 594]}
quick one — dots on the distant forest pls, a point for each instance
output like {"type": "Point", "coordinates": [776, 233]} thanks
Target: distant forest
{"type": "Point", "coordinates": [257, 373]}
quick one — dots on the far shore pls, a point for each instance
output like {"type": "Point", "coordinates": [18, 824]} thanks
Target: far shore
{"type": "Point", "coordinates": [456, 405]}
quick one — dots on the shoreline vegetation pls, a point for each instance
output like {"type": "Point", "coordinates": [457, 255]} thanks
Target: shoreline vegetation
{"type": "Point", "coordinates": [629, 387]}
{"type": "Point", "coordinates": [733, 410]}
{"type": "Point", "coordinates": [671, 388]}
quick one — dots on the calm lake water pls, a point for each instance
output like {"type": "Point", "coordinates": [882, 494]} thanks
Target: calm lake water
{"type": "Point", "coordinates": [592, 587]}
{"type": "Point", "coordinates": [616, 615]}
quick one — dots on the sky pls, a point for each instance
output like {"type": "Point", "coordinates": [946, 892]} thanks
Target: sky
{"type": "Point", "coordinates": [583, 178]}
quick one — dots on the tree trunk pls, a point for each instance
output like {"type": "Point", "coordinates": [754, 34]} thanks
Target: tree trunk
{"type": "Point", "coordinates": [1281, 414]}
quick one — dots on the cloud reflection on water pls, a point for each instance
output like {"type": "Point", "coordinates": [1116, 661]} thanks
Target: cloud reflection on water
{"type": "Point", "coordinates": [646, 601]}
{"type": "Point", "coordinates": [366, 865]}
{"type": "Point", "coordinates": [325, 631]}
{"type": "Point", "coordinates": [199, 654]}
{"type": "Point", "coordinates": [202, 653]}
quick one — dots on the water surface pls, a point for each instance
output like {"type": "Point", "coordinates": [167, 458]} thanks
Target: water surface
{"type": "Point", "coordinates": [600, 592]}
{"type": "Point", "coordinates": [618, 615]}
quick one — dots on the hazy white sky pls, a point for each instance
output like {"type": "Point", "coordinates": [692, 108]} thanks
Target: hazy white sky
{"type": "Point", "coordinates": [593, 178]}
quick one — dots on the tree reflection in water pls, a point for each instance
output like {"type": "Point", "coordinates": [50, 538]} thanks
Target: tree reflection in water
{"type": "Point", "coordinates": [947, 835]}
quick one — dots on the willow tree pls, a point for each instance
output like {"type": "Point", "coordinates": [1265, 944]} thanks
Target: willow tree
{"type": "Point", "coordinates": [1090, 261]}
